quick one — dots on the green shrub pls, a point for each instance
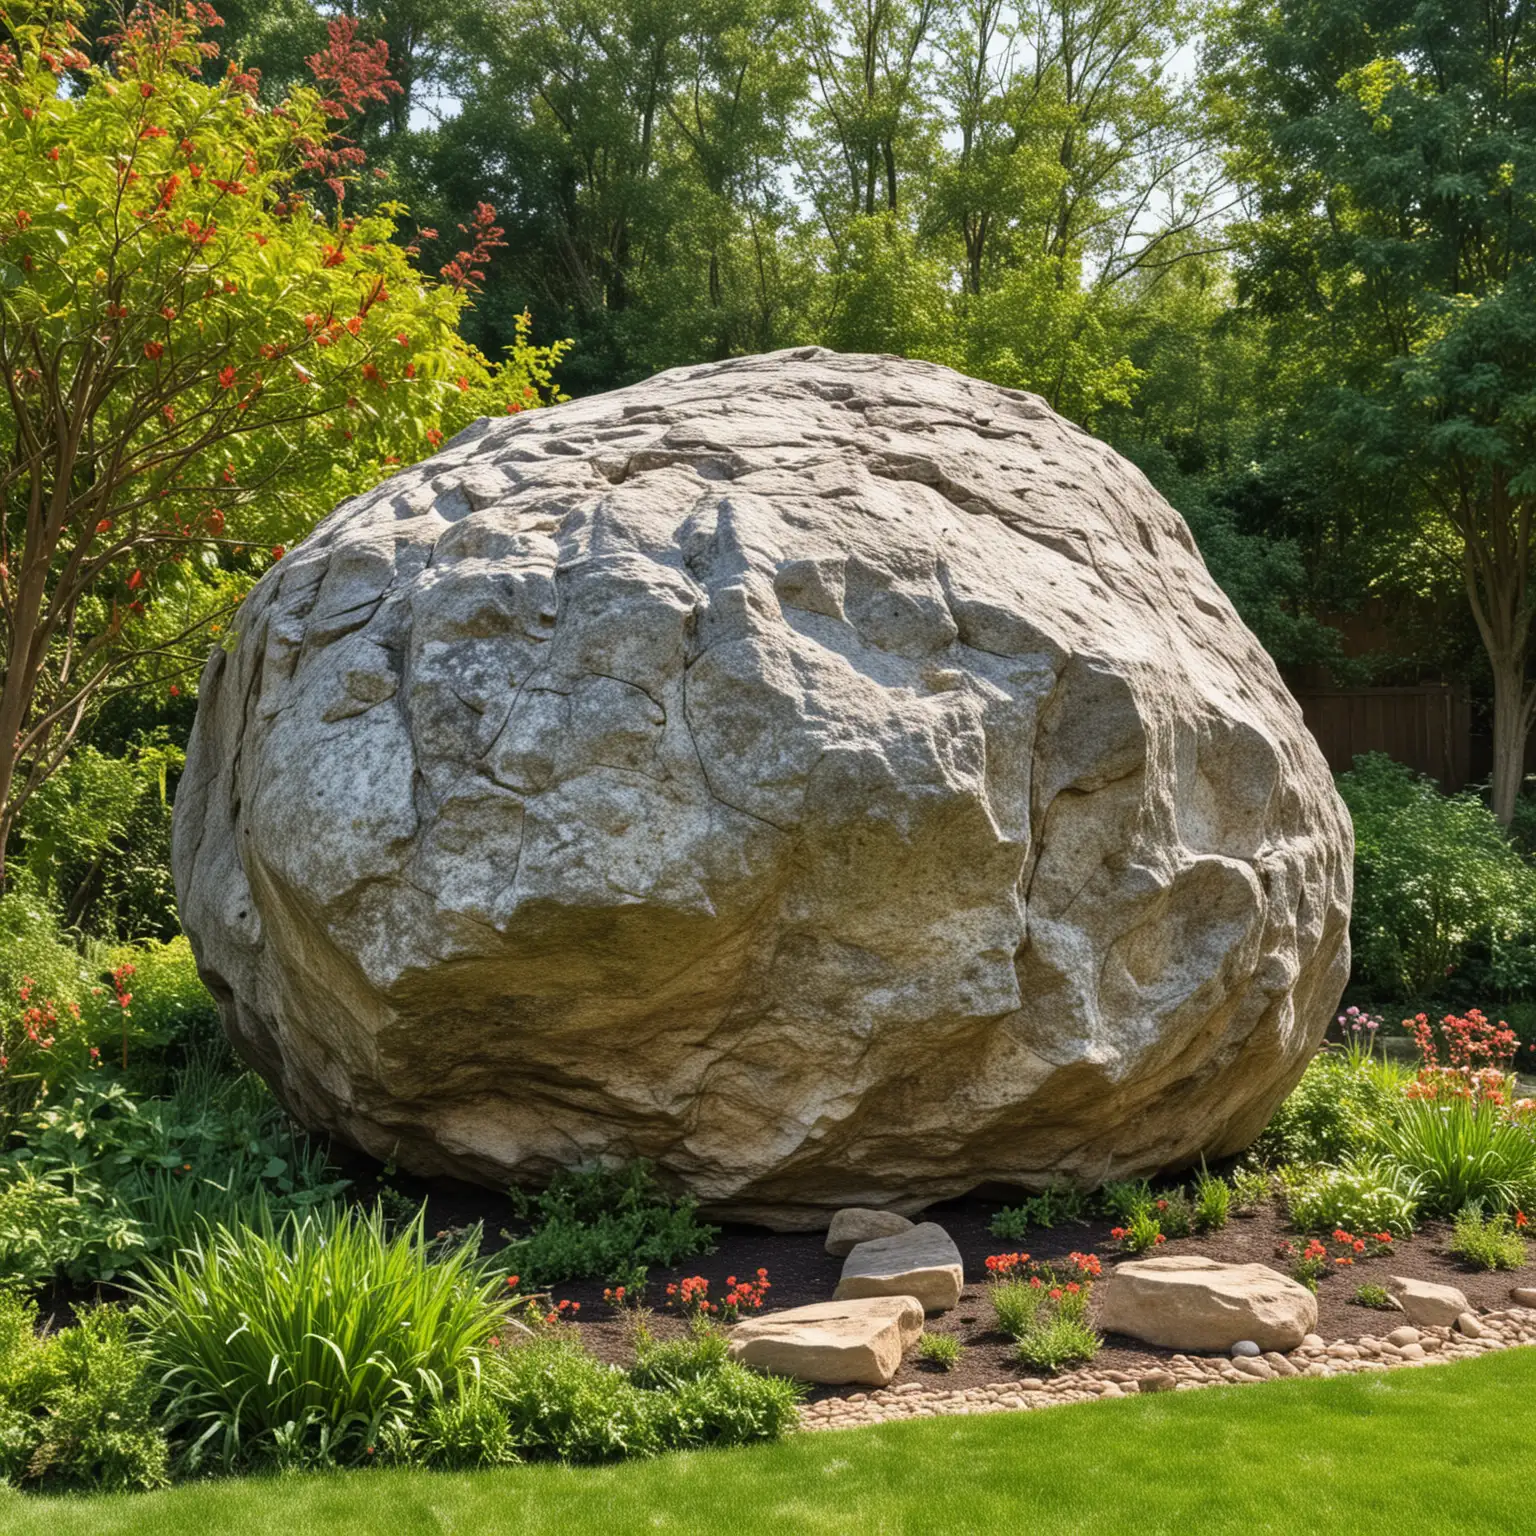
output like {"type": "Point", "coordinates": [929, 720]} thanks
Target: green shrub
{"type": "Point", "coordinates": [1435, 875]}
{"type": "Point", "coordinates": [1054, 1204]}
{"type": "Point", "coordinates": [458, 1432]}
{"type": "Point", "coordinates": [1017, 1304]}
{"type": "Point", "coordinates": [1489, 1242]}
{"type": "Point", "coordinates": [563, 1402]}
{"type": "Point", "coordinates": [941, 1349]}
{"type": "Point", "coordinates": [76, 1405]}
{"type": "Point", "coordinates": [1337, 1108]}
{"type": "Point", "coordinates": [661, 1366]}
{"type": "Point", "coordinates": [1057, 1342]}
{"type": "Point", "coordinates": [1463, 1152]}
{"type": "Point", "coordinates": [303, 1343]}
{"type": "Point", "coordinates": [1362, 1194]}
{"type": "Point", "coordinates": [729, 1405]}
{"type": "Point", "coordinates": [603, 1224]}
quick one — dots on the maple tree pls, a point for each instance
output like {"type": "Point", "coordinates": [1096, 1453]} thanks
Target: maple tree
{"type": "Point", "coordinates": [202, 351]}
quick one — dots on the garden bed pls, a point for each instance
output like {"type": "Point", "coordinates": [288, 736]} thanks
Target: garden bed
{"type": "Point", "coordinates": [801, 1272]}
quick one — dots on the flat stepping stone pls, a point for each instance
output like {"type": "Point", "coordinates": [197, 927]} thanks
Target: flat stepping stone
{"type": "Point", "coordinates": [855, 1225]}
{"type": "Point", "coordinates": [834, 1343]}
{"type": "Point", "coordinates": [921, 1262]}
{"type": "Point", "coordinates": [1425, 1304]}
{"type": "Point", "coordinates": [1189, 1302]}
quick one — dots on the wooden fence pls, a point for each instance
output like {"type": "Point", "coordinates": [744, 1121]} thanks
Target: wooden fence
{"type": "Point", "coordinates": [1428, 726]}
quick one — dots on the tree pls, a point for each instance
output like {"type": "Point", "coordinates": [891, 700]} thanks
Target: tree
{"type": "Point", "coordinates": [1390, 146]}
{"type": "Point", "coordinates": [197, 360]}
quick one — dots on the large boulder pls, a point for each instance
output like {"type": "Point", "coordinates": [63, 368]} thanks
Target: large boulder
{"type": "Point", "coordinates": [1192, 1302]}
{"type": "Point", "coordinates": [833, 778]}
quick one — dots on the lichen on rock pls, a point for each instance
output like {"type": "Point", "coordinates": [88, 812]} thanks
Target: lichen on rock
{"type": "Point", "coordinates": [833, 778]}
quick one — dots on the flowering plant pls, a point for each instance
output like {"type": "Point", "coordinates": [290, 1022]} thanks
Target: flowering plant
{"type": "Point", "coordinates": [1143, 1230]}
{"type": "Point", "coordinates": [1045, 1308]}
{"type": "Point", "coordinates": [691, 1297]}
{"type": "Point", "coordinates": [1339, 1252]}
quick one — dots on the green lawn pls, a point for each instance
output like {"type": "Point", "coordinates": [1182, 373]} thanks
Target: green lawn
{"type": "Point", "coordinates": [1441, 1450]}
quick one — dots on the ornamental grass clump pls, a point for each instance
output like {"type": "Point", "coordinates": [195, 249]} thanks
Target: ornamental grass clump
{"type": "Point", "coordinates": [1464, 1150]}
{"type": "Point", "coordinates": [304, 1343]}
{"type": "Point", "coordinates": [1046, 1313]}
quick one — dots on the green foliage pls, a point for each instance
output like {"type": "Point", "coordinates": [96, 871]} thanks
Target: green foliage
{"type": "Point", "coordinates": [102, 1178]}
{"type": "Point", "coordinates": [1213, 1202]}
{"type": "Point", "coordinates": [1333, 1111]}
{"type": "Point", "coordinates": [1047, 1319]}
{"type": "Point", "coordinates": [563, 1402]}
{"type": "Point", "coordinates": [1054, 1204]}
{"type": "Point", "coordinates": [96, 840]}
{"type": "Point", "coordinates": [171, 1006]}
{"type": "Point", "coordinates": [1251, 1187]}
{"type": "Point", "coordinates": [1142, 1230]}
{"type": "Point", "coordinates": [943, 1350]}
{"type": "Point", "coordinates": [660, 1365]}
{"type": "Point", "coordinates": [76, 1404]}
{"type": "Point", "coordinates": [1376, 1297]}
{"type": "Point", "coordinates": [601, 1224]}
{"type": "Point", "coordinates": [1463, 1151]}
{"type": "Point", "coordinates": [1361, 1194]}
{"type": "Point", "coordinates": [1124, 1198]}
{"type": "Point", "coordinates": [729, 1405]}
{"type": "Point", "coordinates": [1489, 1242]}
{"type": "Point", "coordinates": [1435, 877]}
{"type": "Point", "coordinates": [303, 1343]}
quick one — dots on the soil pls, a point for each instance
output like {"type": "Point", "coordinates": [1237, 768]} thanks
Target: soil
{"type": "Point", "coordinates": [801, 1272]}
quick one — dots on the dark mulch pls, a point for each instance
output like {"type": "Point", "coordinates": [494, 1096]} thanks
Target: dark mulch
{"type": "Point", "coordinates": [800, 1272]}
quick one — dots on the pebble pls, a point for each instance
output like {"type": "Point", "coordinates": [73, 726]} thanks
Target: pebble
{"type": "Point", "coordinates": [1245, 1349]}
{"type": "Point", "coordinates": [1468, 1326]}
{"type": "Point", "coordinates": [1403, 1335]}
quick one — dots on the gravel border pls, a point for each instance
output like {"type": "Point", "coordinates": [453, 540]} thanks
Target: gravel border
{"type": "Point", "coordinates": [1509, 1328]}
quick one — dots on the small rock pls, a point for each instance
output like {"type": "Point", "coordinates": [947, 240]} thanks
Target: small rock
{"type": "Point", "coordinates": [1314, 1341]}
{"type": "Point", "coordinates": [1279, 1364]}
{"type": "Point", "coordinates": [854, 1225]}
{"type": "Point", "coordinates": [1413, 1352]}
{"type": "Point", "coordinates": [1255, 1368]}
{"type": "Point", "coordinates": [1523, 1295]}
{"type": "Point", "coordinates": [834, 1343]}
{"type": "Point", "coordinates": [1157, 1381]}
{"type": "Point", "coordinates": [1403, 1335]}
{"type": "Point", "coordinates": [922, 1262]}
{"type": "Point", "coordinates": [1468, 1325]}
{"type": "Point", "coordinates": [1245, 1348]}
{"type": "Point", "coordinates": [1425, 1302]}
{"type": "Point", "coordinates": [1112, 1389]}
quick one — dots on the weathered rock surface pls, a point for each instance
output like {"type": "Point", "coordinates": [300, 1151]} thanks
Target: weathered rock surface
{"type": "Point", "coordinates": [1191, 1302]}
{"type": "Point", "coordinates": [923, 1262]}
{"type": "Point", "coordinates": [834, 1342]}
{"type": "Point", "coordinates": [854, 1225]}
{"type": "Point", "coordinates": [835, 779]}
{"type": "Point", "coordinates": [1427, 1304]}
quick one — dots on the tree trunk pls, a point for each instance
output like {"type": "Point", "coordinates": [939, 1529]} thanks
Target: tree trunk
{"type": "Point", "coordinates": [1512, 710]}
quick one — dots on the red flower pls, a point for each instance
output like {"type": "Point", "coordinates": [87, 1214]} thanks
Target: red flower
{"type": "Point", "coordinates": [278, 551]}
{"type": "Point", "coordinates": [154, 350]}
{"type": "Point", "coordinates": [227, 377]}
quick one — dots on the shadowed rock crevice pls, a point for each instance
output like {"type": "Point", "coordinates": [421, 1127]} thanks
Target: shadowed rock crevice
{"type": "Point", "coordinates": [831, 777]}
